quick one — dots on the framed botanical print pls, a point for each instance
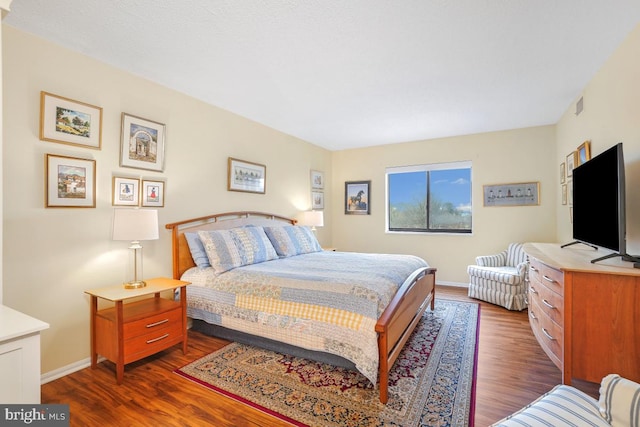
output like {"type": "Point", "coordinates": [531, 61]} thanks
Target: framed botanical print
{"type": "Point", "coordinates": [142, 143]}
{"type": "Point", "coordinates": [126, 191]}
{"type": "Point", "coordinates": [152, 193]}
{"type": "Point", "coordinates": [70, 122]}
{"type": "Point", "coordinates": [70, 182]}
{"type": "Point", "coordinates": [317, 180]}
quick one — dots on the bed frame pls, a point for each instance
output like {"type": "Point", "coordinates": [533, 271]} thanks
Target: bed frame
{"type": "Point", "coordinates": [394, 325]}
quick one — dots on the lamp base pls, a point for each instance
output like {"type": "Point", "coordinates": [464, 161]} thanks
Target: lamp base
{"type": "Point", "coordinates": [135, 284]}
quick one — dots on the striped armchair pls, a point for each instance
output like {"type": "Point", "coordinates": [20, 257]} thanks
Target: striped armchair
{"type": "Point", "coordinates": [501, 279]}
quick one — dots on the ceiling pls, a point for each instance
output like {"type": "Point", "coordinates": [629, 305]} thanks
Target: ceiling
{"type": "Point", "coordinates": [348, 74]}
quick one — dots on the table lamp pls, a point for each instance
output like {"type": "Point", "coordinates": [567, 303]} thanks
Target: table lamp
{"type": "Point", "coordinates": [135, 225]}
{"type": "Point", "coordinates": [311, 218]}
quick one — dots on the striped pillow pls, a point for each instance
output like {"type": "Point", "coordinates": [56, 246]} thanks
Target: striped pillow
{"type": "Point", "coordinates": [620, 401]}
{"type": "Point", "coordinates": [229, 249]}
{"type": "Point", "coordinates": [289, 240]}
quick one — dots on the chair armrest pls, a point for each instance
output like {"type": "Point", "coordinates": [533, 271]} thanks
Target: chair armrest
{"type": "Point", "coordinates": [523, 269]}
{"type": "Point", "coordinates": [496, 260]}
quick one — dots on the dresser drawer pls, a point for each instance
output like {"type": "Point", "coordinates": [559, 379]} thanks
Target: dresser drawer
{"type": "Point", "coordinates": [548, 302]}
{"type": "Point", "coordinates": [157, 321]}
{"type": "Point", "coordinates": [548, 333]}
{"type": "Point", "coordinates": [547, 276]}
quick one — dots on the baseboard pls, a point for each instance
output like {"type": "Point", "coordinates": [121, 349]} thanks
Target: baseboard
{"type": "Point", "coordinates": [454, 284]}
{"type": "Point", "coordinates": [66, 370]}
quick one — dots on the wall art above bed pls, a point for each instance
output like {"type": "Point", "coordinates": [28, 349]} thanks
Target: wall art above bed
{"type": "Point", "coordinates": [246, 176]}
{"type": "Point", "coordinates": [70, 182]}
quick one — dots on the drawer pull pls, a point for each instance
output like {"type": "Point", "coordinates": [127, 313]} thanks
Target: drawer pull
{"type": "Point", "coordinates": [548, 279]}
{"type": "Point", "coordinates": [532, 315]}
{"type": "Point", "coordinates": [548, 304]}
{"type": "Point", "coordinates": [547, 334]}
{"type": "Point", "coordinates": [533, 290]}
{"type": "Point", "coordinates": [157, 339]}
{"type": "Point", "coordinates": [151, 325]}
{"type": "Point", "coordinates": [532, 268]}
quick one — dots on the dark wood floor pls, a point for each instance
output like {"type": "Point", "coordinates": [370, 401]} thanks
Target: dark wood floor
{"type": "Point", "coordinates": [512, 371]}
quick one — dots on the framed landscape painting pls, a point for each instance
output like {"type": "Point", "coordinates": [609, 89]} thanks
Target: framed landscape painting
{"type": "Point", "coordinates": [70, 182]}
{"type": "Point", "coordinates": [70, 122]}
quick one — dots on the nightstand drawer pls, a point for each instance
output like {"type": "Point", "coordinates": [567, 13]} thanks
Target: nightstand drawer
{"type": "Point", "coordinates": [151, 323]}
{"type": "Point", "coordinates": [153, 341]}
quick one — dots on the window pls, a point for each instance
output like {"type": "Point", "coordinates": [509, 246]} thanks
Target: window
{"type": "Point", "coordinates": [432, 198]}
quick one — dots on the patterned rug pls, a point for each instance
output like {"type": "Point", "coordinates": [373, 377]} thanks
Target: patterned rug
{"type": "Point", "coordinates": [431, 384]}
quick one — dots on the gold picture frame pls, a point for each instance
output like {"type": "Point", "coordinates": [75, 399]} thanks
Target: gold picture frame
{"type": "Point", "coordinates": [70, 182]}
{"type": "Point", "coordinates": [125, 191]}
{"type": "Point", "coordinates": [152, 193]}
{"type": "Point", "coordinates": [583, 153]}
{"type": "Point", "coordinates": [71, 122]}
{"type": "Point", "coordinates": [572, 162]}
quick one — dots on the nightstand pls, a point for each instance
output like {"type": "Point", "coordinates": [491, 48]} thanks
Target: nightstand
{"type": "Point", "coordinates": [133, 330]}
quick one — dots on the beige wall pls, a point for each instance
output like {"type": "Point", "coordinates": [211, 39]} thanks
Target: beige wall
{"type": "Point", "coordinates": [499, 157]}
{"type": "Point", "coordinates": [611, 115]}
{"type": "Point", "coordinates": [52, 255]}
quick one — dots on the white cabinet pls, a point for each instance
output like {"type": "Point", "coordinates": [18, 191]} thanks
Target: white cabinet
{"type": "Point", "coordinates": [19, 356]}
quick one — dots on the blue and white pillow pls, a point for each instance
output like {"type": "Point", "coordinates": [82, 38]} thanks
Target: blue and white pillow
{"type": "Point", "coordinates": [196, 248]}
{"type": "Point", "coordinates": [290, 240]}
{"type": "Point", "coordinates": [229, 249]}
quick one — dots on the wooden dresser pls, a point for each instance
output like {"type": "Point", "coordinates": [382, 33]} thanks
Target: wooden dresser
{"type": "Point", "coordinates": [585, 316]}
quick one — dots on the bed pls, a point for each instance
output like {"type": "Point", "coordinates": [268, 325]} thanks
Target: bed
{"type": "Point", "coordinates": [281, 292]}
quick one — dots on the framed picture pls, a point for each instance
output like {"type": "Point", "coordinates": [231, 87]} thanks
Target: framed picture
{"type": "Point", "coordinates": [246, 176]}
{"type": "Point", "coordinates": [126, 191]}
{"type": "Point", "coordinates": [570, 192]}
{"type": "Point", "coordinates": [563, 173]}
{"type": "Point", "coordinates": [564, 194]}
{"type": "Point", "coordinates": [519, 194]}
{"type": "Point", "coordinates": [317, 200]}
{"type": "Point", "coordinates": [152, 193]}
{"type": "Point", "coordinates": [572, 161]}
{"type": "Point", "coordinates": [584, 153]}
{"type": "Point", "coordinates": [142, 143]}
{"type": "Point", "coordinates": [70, 182]}
{"type": "Point", "coordinates": [317, 180]}
{"type": "Point", "coordinates": [356, 198]}
{"type": "Point", "coordinates": [70, 122]}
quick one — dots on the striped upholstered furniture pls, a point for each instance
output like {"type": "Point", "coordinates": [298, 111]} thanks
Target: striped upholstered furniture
{"type": "Point", "coordinates": [501, 279]}
{"type": "Point", "coordinates": [618, 406]}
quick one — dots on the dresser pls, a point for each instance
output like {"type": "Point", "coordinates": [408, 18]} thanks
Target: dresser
{"type": "Point", "coordinates": [585, 316]}
{"type": "Point", "coordinates": [19, 356]}
{"type": "Point", "coordinates": [141, 322]}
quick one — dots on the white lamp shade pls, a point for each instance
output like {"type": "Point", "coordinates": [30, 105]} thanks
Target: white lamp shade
{"type": "Point", "coordinates": [135, 224]}
{"type": "Point", "coordinates": [311, 218]}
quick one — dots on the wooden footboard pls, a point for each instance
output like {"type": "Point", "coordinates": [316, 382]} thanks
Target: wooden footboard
{"type": "Point", "coordinates": [400, 319]}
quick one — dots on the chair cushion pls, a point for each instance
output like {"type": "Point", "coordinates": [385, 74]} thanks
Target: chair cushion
{"type": "Point", "coordinates": [563, 406]}
{"type": "Point", "coordinates": [508, 275]}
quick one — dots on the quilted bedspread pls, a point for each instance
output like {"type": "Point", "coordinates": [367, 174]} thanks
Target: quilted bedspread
{"type": "Point", "coordinates": [323, 301]}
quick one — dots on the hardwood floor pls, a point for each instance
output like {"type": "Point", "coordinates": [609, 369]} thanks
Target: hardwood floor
{"type": "Point", "coordinates": [512, 371]}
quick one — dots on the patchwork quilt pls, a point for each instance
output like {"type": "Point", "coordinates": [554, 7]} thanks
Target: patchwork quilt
{"type": "Point", "coordinates": [322, 301]}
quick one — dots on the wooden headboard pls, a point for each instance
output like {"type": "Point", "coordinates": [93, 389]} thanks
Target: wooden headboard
{"type": "Point", "coordinates": [181, 254]}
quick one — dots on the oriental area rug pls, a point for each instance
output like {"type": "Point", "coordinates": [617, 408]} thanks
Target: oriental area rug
{"type": "Point", "coordinates": [431, 384]}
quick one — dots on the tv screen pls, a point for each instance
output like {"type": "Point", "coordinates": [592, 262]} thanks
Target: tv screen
{"type": "Point", "coordinates": [599, 201]}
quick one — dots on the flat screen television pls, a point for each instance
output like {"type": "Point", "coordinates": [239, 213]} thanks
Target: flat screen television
{"type": "Point", "coordinates": [599, 203]}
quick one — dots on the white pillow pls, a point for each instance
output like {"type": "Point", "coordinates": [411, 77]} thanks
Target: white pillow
{"type": "Point", "coordinates": [619, 401]}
